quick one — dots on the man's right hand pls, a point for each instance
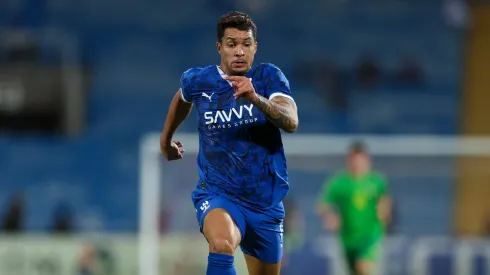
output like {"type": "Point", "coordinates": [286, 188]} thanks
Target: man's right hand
{"type": "Point", "coordinates": [173, 151]}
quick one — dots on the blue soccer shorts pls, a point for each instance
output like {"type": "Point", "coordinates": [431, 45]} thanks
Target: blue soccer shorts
{"type": "Point", "coordinates": [261, 231]}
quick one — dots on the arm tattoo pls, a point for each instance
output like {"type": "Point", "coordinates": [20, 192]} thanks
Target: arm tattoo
{"type": "Point", "coordinates": [282, 113]}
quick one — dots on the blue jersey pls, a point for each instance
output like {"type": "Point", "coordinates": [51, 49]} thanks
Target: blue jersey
{"type": "Point", "coordinates": [241, 155]}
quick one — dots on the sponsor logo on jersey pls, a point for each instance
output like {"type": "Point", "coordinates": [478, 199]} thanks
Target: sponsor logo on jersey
{"type": "Point", "coordinates": [208, 96]}
{"type": "Point", "coordinates": [233, 117]}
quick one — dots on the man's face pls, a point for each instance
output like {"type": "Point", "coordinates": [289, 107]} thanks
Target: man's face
{"type": "Point", "coordinates": [359, 163]}
{"type": "Point", "coordinates": [237, 49]}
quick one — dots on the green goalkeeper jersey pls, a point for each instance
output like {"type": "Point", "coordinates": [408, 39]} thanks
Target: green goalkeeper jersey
{"type": "Point", "coordinates": [355, 200]}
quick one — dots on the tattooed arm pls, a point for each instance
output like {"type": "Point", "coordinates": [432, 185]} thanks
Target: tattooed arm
{"type": "Point", "coordinates": [280, 110]}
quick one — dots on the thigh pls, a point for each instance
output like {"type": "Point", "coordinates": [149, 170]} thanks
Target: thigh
{"type": "Point", "coordinates": [368, 257]}
{"type": "Point", "coordinates": [363, 267]}
{"type": "Point", "coordinates": [263, 240]}
{"type": "Point", "coordinates": [221, 222]}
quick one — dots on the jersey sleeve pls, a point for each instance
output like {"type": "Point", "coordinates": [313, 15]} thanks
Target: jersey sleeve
{"type": "Point", "coordinates": [277, 83]}
{"type": "Point", "coordinates": [329, 192]}
{"type": "Point", "coordinates": [185, 85]}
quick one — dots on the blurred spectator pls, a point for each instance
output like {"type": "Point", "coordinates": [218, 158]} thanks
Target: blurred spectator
{"type": "Point", "coordinates": [87, 261]}
{"type": "Point", "coordinates": [329, 81]}
{"type": "Point", "coordinates": [106, 261]}
{"type": "Point", "coordinates": [292, 220]}
{"type": "Point", "coordinates": [293, 228]}
{"type": "Point", "coordinates": [409, 72]}
{"type": "Point", "coordinates": [21, 49]}
{"type": "Point", "coordinates": [20, 45]}
{"type": "Point", "coordinates": [486, 227]}
{"type": "Point", "coordinates": [95, 261]}
{"type": "Point", "coordinates": [326, 77]}
{"type": "Point", "coordinates": [14, 216]}
{"type": "Point", "coordinates": [368, 74]}
{"type": "Point", "coordinates": [165, 219]}
{"type": "Point", "coordinates": [62, 219]}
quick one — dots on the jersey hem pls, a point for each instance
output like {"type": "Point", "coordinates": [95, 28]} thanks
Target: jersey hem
{"type": "Point", "coordinates": [242, 202]}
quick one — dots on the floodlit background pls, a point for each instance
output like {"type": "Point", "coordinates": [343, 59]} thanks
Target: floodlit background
{"type": "Point", "coordinates": [85, 85]}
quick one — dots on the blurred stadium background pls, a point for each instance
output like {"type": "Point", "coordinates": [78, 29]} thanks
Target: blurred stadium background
{"type": "Point", "coordinates": [85, 85]}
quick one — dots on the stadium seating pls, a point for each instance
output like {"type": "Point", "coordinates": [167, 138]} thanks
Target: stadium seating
{"type": "Point", "coordinates": [139, 49]}
{"type": "Point", "coordinates": [403, 256]}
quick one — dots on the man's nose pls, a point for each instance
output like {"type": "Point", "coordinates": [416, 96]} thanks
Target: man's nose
{"type": "Point", "coordinates": [239, 52]}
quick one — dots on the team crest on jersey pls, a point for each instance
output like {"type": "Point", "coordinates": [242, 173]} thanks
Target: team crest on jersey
{"type": "Point", "coordinates": [360, 200]}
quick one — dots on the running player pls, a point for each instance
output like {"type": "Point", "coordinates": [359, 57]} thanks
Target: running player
{"type": "Point", "coordinates": [241, 161]}
{"type": "Point", "coordinates": [356, 203]}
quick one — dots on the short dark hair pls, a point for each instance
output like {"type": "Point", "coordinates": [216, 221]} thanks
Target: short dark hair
{"type": "Point", "coordinates": [237, 20]}
{"type": "Point", "coordinates": [358, 147]}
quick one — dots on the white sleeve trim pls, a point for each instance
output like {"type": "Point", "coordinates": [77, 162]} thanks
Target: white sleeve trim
{"type": "Point", "coordinates": [182, 95]}
{"type": "Point", "coordinates": [280, 94]}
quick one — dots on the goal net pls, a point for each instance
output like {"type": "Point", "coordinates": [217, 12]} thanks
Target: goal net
{"type": "Point", "coordinates": [425, 176]}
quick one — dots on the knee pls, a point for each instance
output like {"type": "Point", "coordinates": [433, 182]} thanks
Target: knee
{"type": "Point", "coordinates": [222, 246]}
{"type": "Point", "coordinates": [363, 268]}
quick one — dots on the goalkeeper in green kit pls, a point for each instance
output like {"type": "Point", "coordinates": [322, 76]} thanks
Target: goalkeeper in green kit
{"type": "Point", "coordinates": [355, 202]}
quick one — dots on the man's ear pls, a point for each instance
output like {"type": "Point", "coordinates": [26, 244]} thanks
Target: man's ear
{"type": "Point", "coordinates": [218, 47]}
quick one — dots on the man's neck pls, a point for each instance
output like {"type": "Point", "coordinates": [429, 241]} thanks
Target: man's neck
{"type": "Point", "coordinates": [359, 175]}
{"type": "Point", "coordinates": [224, 69]}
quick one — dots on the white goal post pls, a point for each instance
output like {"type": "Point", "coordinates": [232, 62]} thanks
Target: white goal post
{"type": "Point", "coordinates": [295, 144]}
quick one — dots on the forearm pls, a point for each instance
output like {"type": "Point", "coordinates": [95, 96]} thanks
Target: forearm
{"type": "Point", "coordinates": [384, 210]}
{"type": "Point", "coordinates": [321, 209]}
{"type": "Point", "coordinates": [177, 113]}
{"type": "Point", "coordinates": [324, 210]}
{"type": "Point", "coordinates": [281, 114]}
{"type": "Point", "coordinates": [331, 218]}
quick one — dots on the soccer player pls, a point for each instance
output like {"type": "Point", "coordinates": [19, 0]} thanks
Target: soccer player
{"type": "Point", "coordinates": [356, 203]}
{"type": "Point", "coordinates": [241, 161]}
